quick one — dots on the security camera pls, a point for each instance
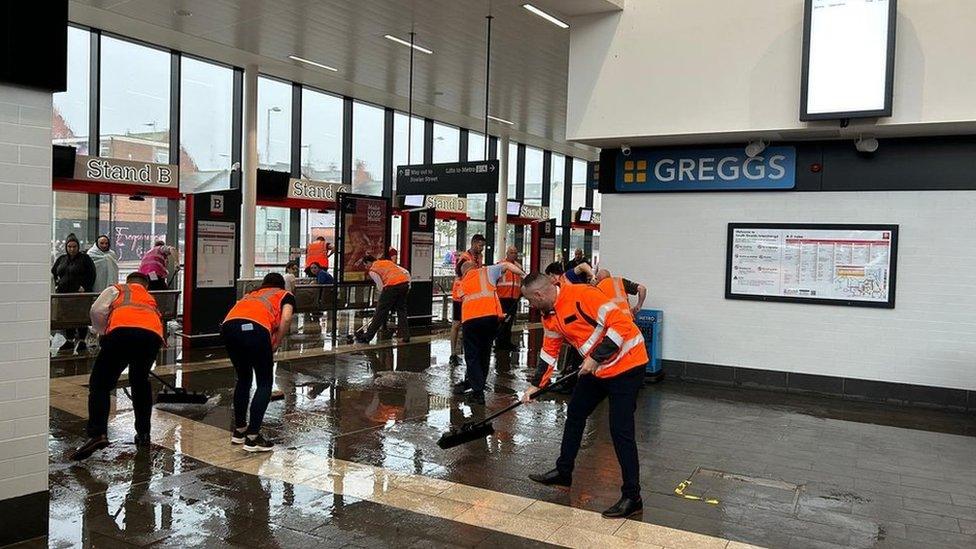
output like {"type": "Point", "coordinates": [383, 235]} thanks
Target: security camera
{"type": "Point", "coordinates": [235, 167]}
{"type": "Point", "coordinates": [866, 144]}
{"type": "Point", "coordinates": [755, 148]}
{"type": "Point", "coordinates": [625, 149]}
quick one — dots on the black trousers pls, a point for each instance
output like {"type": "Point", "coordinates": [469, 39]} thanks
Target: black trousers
{"type": "Point", "coordinates": [392, 297]}
{"type": "Point", "coordinates": [249, 347]}
{"type": "Point", "coordinates": [510, 308]}
{"type": "Point", "coordinates": [590, 392]}
{"type": "Point", "coordinates": [478, 335]}
{"type": "Point", "coordinates": [132, 348]}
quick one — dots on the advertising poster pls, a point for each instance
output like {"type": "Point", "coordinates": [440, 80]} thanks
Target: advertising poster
{"type": "Point", "coordinates": [215, 254]}
{"type": "Point", "coordinates": [364, 232]}
{"type": "Point", "coordinates": [835, 264]}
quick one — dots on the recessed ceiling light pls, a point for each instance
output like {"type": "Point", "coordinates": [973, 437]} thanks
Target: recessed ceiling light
{"type": "Point", "coordinates": [408, 44]}
{"type": "Point", "coordinates": [502, 120]}
{"type": "Point", "coordinates": [313, 63]}
{"type": "Point", "coordinates": [545, 16]}
{"type": "Point", "coordinates": [183, 13]}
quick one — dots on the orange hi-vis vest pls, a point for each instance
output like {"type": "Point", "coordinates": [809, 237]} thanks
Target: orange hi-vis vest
{"type": "Point", "coordinates": [510, 285]}
{"type": "Point", "coordinates": [582, 317]}
{"type": "Point", "coordinates": [134, 308]}
{"type": "Point", "coordinates": [480, 296]}
{"type": "Point", "coordinates": [613, 287]}
{"type": "Point", "coordinates": [317, 252]}
{"type": "Point", "coordinates": [389, 272]}
{"type": "Point", "coordinates": [456, 293]}
{"type": "Point", "coordinates": [262, 306]}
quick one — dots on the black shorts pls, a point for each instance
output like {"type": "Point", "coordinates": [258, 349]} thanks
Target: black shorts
{"type": "Point", "coordinates": [456, 311]}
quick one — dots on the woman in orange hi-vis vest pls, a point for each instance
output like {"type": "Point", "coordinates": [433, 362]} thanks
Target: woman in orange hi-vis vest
{"type": "Point", "coordinates": [252, 331]}
{"type": "Point", "coordinates": [393, 283]}
{"type": "Point", "coordinates": [613, 367]}
{"type": "Point", "coordinates": [480, 313]}
{"type": "Point", "coordinates": [131, 330]}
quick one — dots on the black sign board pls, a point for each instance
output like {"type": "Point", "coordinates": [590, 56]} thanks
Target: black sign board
{"type": "Point", "coordinates": [448, 178]}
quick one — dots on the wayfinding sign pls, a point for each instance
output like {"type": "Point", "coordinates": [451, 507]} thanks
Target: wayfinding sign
{"type": "Point", "coordinates": [448, 178]}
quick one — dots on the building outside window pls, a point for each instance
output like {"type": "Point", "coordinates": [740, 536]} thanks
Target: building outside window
{"type": "Point", "coordinates": [321, 136]}
{"type": "Point", "coordinates": [447, 143]}
{"type": "Point", "coordinates": [274, 125]}
{"type": "Point", "coordinates": [367, 149]}
{"type": "Point", "coordinates": [70, 123]}
{"type": "Point", "coordinates": [533, 176]}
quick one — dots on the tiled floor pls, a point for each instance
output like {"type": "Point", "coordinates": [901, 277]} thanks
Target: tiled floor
{"type": "Point", "coordinates": [358, 465]}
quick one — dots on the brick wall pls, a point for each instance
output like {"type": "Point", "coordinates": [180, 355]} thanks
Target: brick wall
{"type": "Point", "coordinates": [25, 234]}
{"type": "Point", "coordinates": [675, 244]}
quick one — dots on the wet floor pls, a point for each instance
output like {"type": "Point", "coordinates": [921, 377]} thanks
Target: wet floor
{"type": "Point", "coordinates": [761, 468]}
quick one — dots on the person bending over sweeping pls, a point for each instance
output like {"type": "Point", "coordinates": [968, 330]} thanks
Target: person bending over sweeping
{"type": "Point", "coordinates": [252, 331]}
{"type": "Point", "coordinates": [131, 330]}
{"type": "Point", "coordinates": [393, 284]}
{"type": "Point", "coordinates": [613, 366]}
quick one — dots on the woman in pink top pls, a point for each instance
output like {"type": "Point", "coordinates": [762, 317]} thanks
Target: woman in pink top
{"type": "Point", "coordinates": [155, 265]}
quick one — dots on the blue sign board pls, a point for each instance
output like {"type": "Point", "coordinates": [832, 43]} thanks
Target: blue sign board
{"type": "Point", "coordinates": [654, 170]}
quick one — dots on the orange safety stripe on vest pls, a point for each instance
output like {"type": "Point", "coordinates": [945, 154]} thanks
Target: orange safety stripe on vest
{"type": "Point", "coordinates": [613, 287]}
{"type": "Point", "coordinates": [317, 253]}
{"type": "Point", "coordinates": [480, 296]}
{"type": "Point", "coordinates": [510, 285]}
{"type": "Point", "coordinates": [134, 307]}
{"type": "Point", "coordinates": [592, 317]}
{"type": "Point", "coordinates": [262, 306]}
{"type": "Point", "coordinates": [456, 293]}
{"type": "Point", "coordinates": [389, 272]}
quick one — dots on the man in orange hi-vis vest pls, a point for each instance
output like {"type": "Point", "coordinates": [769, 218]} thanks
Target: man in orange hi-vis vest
{"type": "Point", "coordinates": [476, 254]}
{"type": "Point", "coordinates": [613, 367]}
{"type": "Point", "coordinates": [509, 294]}
{"type": "Point", "coordinates": [619, 289]}
{"type": "Point", "coordinates": [480, 313]}
{"type": "Point", "coordinates": [393, 283]}
{"type": "Point", "coordinates": [131, 330]}
{"type": "Point", "coordinates": [252, 331]}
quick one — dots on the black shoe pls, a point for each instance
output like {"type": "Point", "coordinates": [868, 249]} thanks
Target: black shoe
{"type": "Point", "coordinates": [91, 446]}
{"type": "Point", "coordinates": [237, 437]}
{"type": "Point", "coordinates": [552, 478]}
{"type": "Point", "coordinates": [142, 440]}
{"type": "Point", "coordinates": [257, 443]}
{"type": "Point", "coordinates": [82, 347]}
{"type": "Point", "coordinates": [475, 397]}
{"type": "Point", "coordinates": [454, 360]}
{"type": "Point", "coordinates": [68, 347]}
{"type": "Point", "coordinates": [460, 388]}
{"type": "Point", "coordinates": [625, 508]}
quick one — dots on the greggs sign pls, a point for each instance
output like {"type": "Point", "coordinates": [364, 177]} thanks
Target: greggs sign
{"type": "Point", "coordinates": [126, 172]}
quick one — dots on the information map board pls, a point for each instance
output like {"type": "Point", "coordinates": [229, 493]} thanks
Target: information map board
{"type": "Point", "coordinates": [812, 263]}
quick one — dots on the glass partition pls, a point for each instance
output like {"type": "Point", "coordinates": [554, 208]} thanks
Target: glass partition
{"type": "Point", "coordinates": [367, 149]}
{"type": "Point", "coordinates": [206, 112]}
{"type": "Point", "coordinates": [70, 123]}
{"type": "Point", "coordinates": [321, 136]}
{"type": "Point", "coordinates": [274, 125]}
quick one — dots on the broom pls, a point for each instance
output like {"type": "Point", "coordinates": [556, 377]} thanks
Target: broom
{"type": "Point", "coordinates": [177, 395]}
{"type": "Point", "coordinates": [481, 429]}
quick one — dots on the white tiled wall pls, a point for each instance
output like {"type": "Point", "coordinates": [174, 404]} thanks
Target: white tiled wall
{"type": "Point", "coordinates": [25, 233]}
{"type": "Point", "coordinates": [675, 244]}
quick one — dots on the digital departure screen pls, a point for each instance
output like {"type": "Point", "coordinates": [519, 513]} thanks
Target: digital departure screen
{"type": "Point", "coordinates": [413, 201]}
{"type": "Point", "coordinates": [514, 208]}
{"type": "Point", "coordinates": [584, 215]}
{"type": "Point", "coordinates": [848, 57]}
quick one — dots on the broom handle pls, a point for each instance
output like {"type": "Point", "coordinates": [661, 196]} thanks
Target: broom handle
{"type": "Point", "coordinates": [538, 393]}
{"type": "Point", "coordinates": [163, 381]}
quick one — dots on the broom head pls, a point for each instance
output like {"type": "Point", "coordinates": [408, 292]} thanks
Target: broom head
{"type": "Point", "coordinates": [467, 433]}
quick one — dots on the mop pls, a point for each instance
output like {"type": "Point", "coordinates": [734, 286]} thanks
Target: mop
{"type": "Point", "coordinates": [471, 431]}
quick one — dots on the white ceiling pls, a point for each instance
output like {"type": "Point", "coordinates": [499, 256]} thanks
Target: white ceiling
{"type": "Point", "coordinates": [529, 55]}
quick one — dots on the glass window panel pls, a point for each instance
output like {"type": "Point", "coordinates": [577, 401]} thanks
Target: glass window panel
{"type": "Point", "coordinates": [596, 247]}
{"type": "Point", "coordinates": [557, 186]}
{"type": "Point", "coordinates": [576, 239]}
{"type": "Point", "coordinates": [445, 244]}
{"type": "Point", "coordinates": [512, 168]}
{"type": "Point", "coordinates": [472, 228]}
{"type": "Point", "coordinates": [400, 157]}
{"type": "Point", "coordinates": [597, 201]}
{"type": "Point", "coordinates": [274, 125]}
{"type": "Point", "coordinates": [134, 101]}
{"type": "Point", "coordinates": [447, 143]}
{"type": "Point", "coordinates": [316, 223]}
{"type": "Point", "coordinates": [476, 146]}
{"type": "Point", "coordinates": [70, 214]}
{"type": "Point", "coordinates": [579, 184]}
{"type": "Point", "coordinates": [321, 136]}
{"type": "Point", "coordinates": [272, 227]}
{"type": "Point", "coordinates": [367, 149]}
{"type": "Point", "coordinates": [206, 112]}
{"type": "Point", "coordinates": [70, 123]}
{"type": "Point", "coordinates": [133, 227]}
{"type": "Point", "coordinates": [533, 176]}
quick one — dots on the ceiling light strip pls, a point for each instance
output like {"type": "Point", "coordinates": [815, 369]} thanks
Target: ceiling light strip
{"type": "Point", "coordinates": [502, 120]}
{"type": "Point", "coordinates": [408, 44]}
{"type": "Point", "coordinates": [313, 63]}
{"type": "Point", "coordinates": [546, 16]}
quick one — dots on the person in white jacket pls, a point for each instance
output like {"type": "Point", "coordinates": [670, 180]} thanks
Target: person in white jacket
{"type": "Point", "coordinates": [106, 264]}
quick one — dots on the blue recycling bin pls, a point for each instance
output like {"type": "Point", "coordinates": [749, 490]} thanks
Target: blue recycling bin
{"type": "Point", "coordinates": [650, 322]}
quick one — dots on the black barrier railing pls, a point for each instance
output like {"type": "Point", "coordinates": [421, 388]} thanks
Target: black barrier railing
{"type": "Point", "coordinates": [73, 310]}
